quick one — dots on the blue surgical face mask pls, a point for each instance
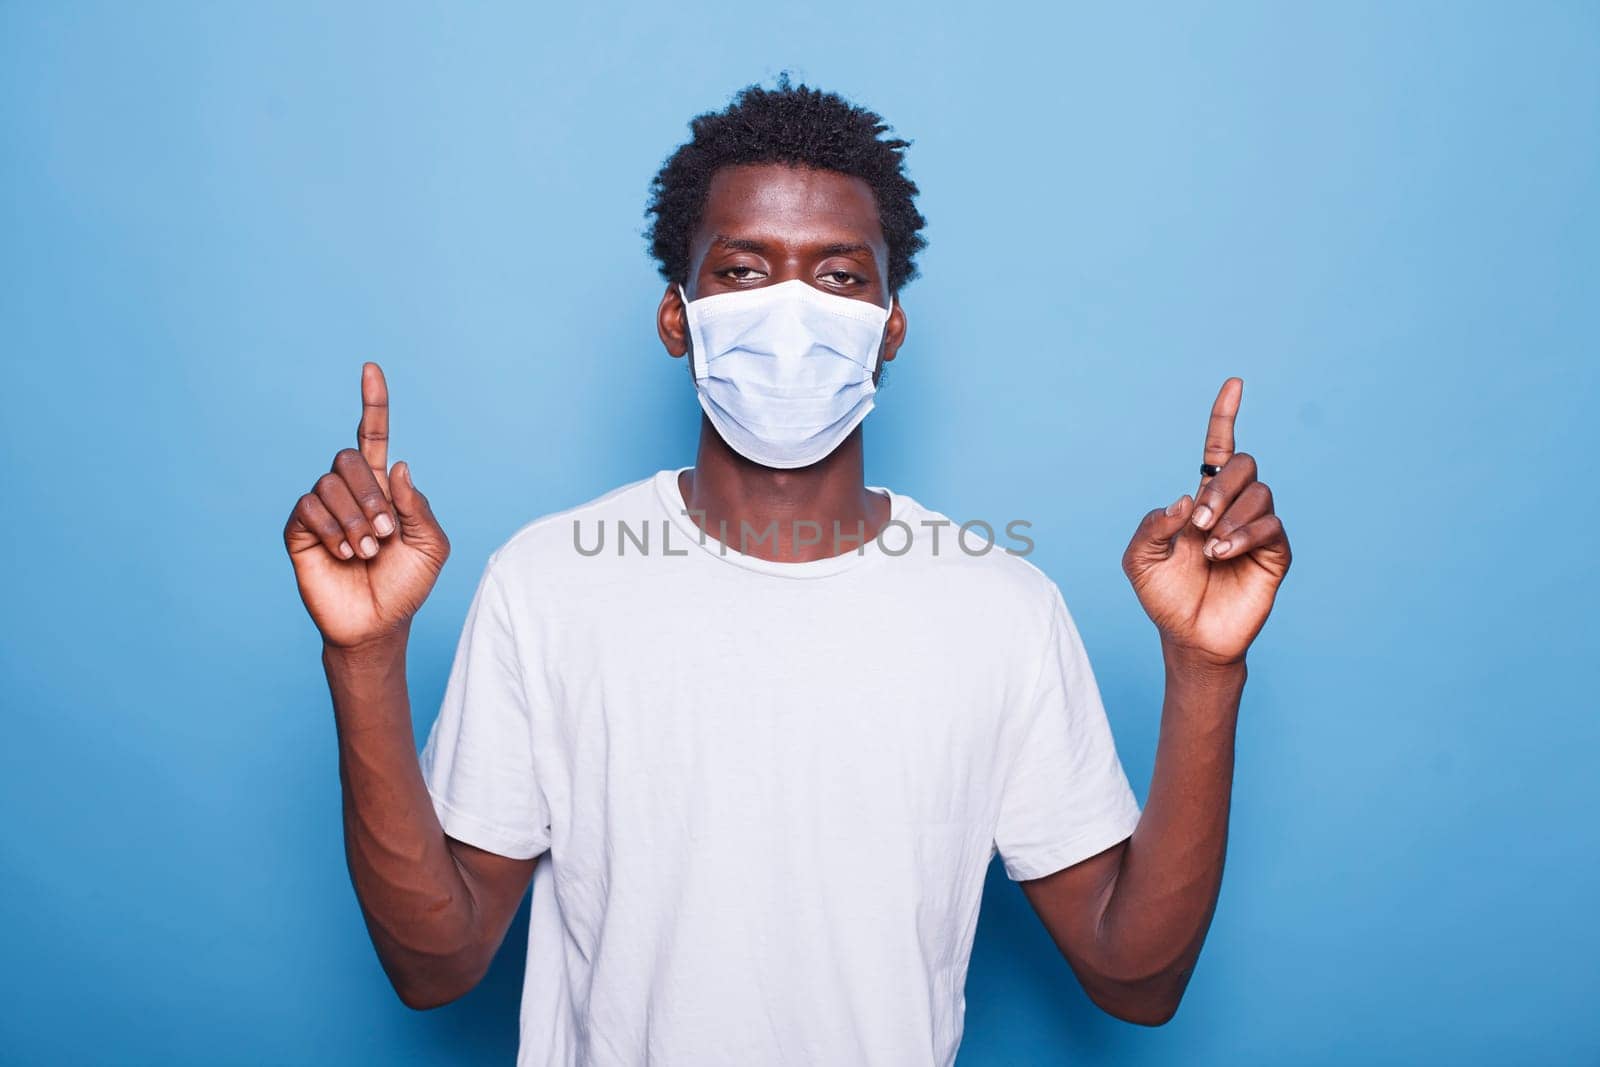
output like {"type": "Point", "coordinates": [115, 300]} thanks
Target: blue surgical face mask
{"type": "Point", "coordinates": [784, 372]}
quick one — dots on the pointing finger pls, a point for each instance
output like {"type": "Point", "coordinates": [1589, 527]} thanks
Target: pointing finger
{"type": "Point", "coordinates": [1219, 430]}
{"type": "Point", "coordinates": [372, 434]}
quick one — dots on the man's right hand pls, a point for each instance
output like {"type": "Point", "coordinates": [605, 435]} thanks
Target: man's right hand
{"type": "Point", "coordinates": [365, 546]}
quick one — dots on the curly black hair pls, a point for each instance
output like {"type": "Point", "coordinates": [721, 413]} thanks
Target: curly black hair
{"type": "Point", "coordinates": [790, 124]}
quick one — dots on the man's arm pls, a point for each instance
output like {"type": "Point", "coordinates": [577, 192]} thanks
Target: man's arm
{"type": "Point", "coordinates": [366, 551]}
{"type": "Point", "coordinates": [1131, 920]}
{"type": "Point", "coordinates": [436, 908]}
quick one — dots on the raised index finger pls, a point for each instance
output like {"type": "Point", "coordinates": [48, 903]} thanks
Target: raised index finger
{"type": "Point", "coordinates": [1219, 430]}
{"type": "Point", "coordinates": [372, 435]}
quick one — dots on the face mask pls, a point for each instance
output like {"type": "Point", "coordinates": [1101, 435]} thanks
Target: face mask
{"type": "Point", "coordinates": [784, 372]}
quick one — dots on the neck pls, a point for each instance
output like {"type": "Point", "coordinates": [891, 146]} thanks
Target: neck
{"type": "Point", "coordinates": [726, 492]}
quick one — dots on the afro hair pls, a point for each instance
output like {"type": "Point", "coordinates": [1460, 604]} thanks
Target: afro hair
{"type": "Point", "coordinates": [794, 125]}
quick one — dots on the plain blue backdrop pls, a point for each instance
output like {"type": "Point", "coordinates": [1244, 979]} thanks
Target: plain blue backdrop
{"type": "Point", "coordinates": [1385, 218]}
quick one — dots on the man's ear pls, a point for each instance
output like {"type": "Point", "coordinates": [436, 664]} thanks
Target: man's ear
{"type": "Point", "coordinates": [894, 331]}
{"type": "Point", "coordinates": [671, 324]}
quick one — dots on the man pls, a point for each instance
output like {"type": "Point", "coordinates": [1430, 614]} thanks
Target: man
{"type": "Point", "coordinates": [755, 734]}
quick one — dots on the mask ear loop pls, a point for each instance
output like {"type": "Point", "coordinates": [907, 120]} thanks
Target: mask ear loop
{"type": "Point", "coordinates": [683, 296]}
{"type": "Point", "coordinates": [877, 360]}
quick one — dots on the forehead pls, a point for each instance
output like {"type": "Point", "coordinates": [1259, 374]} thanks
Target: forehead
{"type": "Point", "coordinates": [796, 205]}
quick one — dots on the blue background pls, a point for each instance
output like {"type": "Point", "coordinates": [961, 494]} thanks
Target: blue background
{"type": "Point", "coordinates": [1383, 217]}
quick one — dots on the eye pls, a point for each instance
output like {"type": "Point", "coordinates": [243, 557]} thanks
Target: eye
{"type": "Point", "coordinates": [740, 272]}
{"type": "Point", "coordinates": [843, 277]}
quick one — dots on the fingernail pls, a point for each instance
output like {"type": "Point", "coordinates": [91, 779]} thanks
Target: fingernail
{"type": "Point", "coordinates": [1202, 516]}
{"type": "Point", "coordinates": [345, 550]}
{"type": "Point", "coordinates": [1220, 548]}
{"type": "Point", "coordinates": [1177, 505]}
{"type": "Point", "coordinates": [369, 547]}
{"type": "Point", "coordinates": [384, 525]}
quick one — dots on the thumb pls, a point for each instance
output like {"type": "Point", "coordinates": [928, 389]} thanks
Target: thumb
{"type": "Point", "coordinates": [1152, 541]}
{"type": "Point", "coordinates": [418, 527]}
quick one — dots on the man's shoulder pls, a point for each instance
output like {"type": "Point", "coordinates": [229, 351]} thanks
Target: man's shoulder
{"type": "Point", "coordinates": [561, 535]}
{"type": "Point", "coordinates": [984, 561]}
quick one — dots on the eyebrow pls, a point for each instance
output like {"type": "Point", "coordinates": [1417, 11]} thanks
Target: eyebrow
{"type": "Point", "coordinates": [747, 244]}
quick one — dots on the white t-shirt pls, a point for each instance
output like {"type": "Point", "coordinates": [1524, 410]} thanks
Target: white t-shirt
{"type": "Point", "coordinates": [769, 792]}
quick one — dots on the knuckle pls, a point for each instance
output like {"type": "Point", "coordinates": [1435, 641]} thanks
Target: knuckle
{"type": "Point", "coordinates": [311, 518]}
{"type": "Point", "coordinates": [1260, 532]}
{"type": "Point", "coordinates": [345, 456]}
{"type": "Point", "coordinates": [1245, 462]}
{"type": "Point", "coordinates": [1251, 499]}
{"type": "Point", "coordinates": [327, 483]}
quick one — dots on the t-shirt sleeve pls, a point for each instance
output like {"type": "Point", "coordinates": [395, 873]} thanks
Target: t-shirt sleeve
{"type": "Point", "coordinates": [1067, 797]}
{"type": "Point", "coordinates": [478, 761]}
